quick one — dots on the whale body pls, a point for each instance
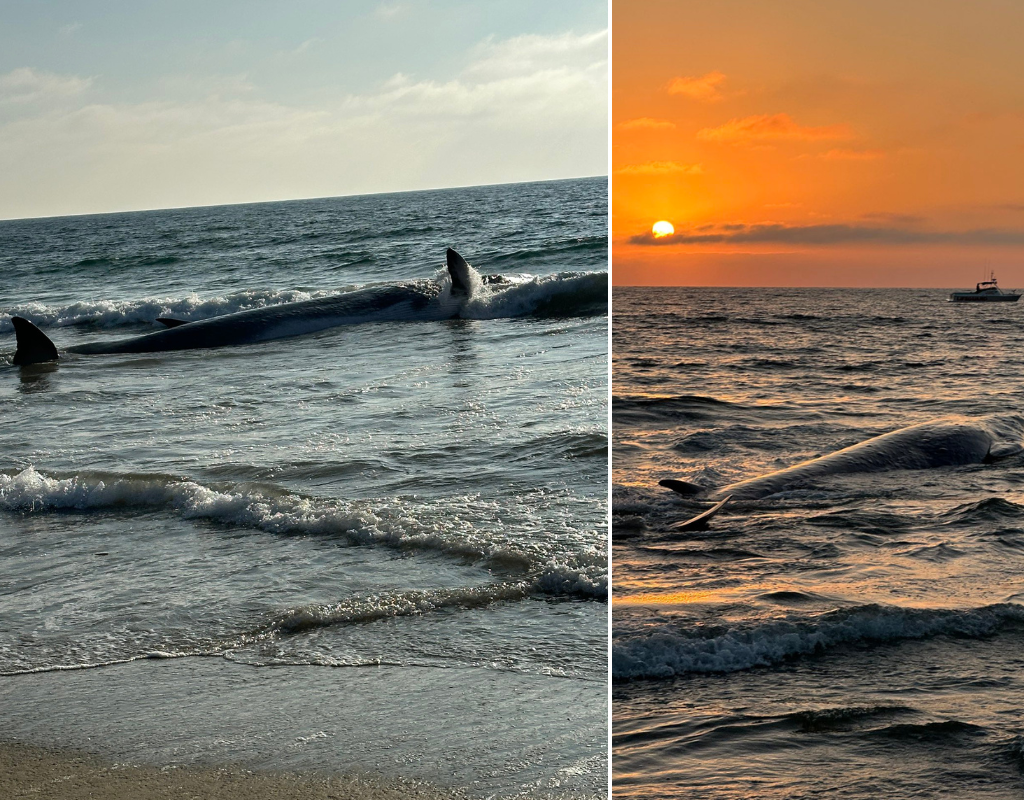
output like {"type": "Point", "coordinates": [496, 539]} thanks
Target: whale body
{"type": "Point", "coordinates": [424, 300]}
{"type": "Point", "coordinates": [945, 442]}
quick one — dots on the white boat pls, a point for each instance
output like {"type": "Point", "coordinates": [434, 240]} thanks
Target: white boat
{"type": "Point", "coordinates": [985, 292]}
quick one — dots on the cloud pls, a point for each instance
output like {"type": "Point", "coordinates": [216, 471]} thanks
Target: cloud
{"type": "Point", "coordinates": [389, 10]}
{"type": "Point", "coordinates": [842, 154]}
{"type": "Point", "coordinates": [306, 45]}
{"type": "Point", "coordinates": [220, 142]}
{"type": "Point", "coordinates": [896, 219]}
{"type": "Point", "coordinates": [661, 168]}
{"type": "Point", "coordinates": [24, 85]}
{"type": "Point", "coordinates": [70, 29]}
{"type": "Point", "coordinates": [770, 127]}
{"type": "Point", "coordinates": [534, 54]}
{"type": "Point", "coordinates": [646, 124]}
{"type": "Point", "coordinates": [705, 88]}
{"type": "Point", "coordinates": [824, 235]}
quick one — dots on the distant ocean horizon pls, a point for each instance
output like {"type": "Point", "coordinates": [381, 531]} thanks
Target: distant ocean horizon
{"type": "Point", "coordinates": [233, 204]}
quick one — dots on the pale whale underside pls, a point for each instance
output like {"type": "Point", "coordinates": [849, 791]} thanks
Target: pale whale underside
{"type": "Point", "coordinates": [421, 300]}
{"type": "Point", "coordinates": [946, 442]}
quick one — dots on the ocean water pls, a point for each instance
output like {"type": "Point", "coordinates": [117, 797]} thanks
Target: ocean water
{"type": "Point", "coordinates": [852, 636]}
{"type": "Point", "coordinates": [379, 547]}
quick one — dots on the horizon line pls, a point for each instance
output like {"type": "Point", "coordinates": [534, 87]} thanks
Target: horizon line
{"type": "Point", "coordinates": [298, 199]}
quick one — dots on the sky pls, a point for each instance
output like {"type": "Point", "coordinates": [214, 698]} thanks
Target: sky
{"type": "Point", "coordinates": [806, 143]}
{"type": "Point", "coordinates": [119, 106]}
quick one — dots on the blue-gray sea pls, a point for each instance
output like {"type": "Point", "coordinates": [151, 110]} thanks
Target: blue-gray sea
{"type": "Point", "coordinates": [856, 636]}
{"type": "Point", "coordinates": [380, 547]}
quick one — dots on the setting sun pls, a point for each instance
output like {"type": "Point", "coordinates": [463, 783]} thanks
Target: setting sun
{"type": "Point", "coordinates": [662, 228]}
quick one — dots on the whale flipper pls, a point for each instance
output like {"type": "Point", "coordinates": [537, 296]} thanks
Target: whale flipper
{"type": "Point", "coordinates": [700, 522]}
{"type": "Point", "coordinates": [170, 322]}
{"type": "Point", "coordinates": [460, 271]}
{"type": "Point", "coordinates": [33, 346]}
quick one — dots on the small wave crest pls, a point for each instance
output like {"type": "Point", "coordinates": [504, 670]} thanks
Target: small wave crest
{"type": "Point", "coordinates": [120, 313]}
{"type": "Point", "coordinates": [560, 571]}
{"type": "Point", "coordinates": [364, 610]}
{"type": "Point", "coordinates": [667, 652]}
{"type": "Point", "coordinates": [565, 294]}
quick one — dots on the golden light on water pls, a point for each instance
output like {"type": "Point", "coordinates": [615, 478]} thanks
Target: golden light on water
{"type": "Point", "coordinates": [662, 228]}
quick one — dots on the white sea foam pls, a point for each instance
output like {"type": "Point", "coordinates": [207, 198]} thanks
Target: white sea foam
{"type": "Point", "coordinates": [667, 651]}
{"type": "Point", "coordinates": [396, 604]}
{"type": "Point", "coordinates": [118, 313]}
{"type": "Point", "coordinates": [388, 524]}
{"type": "Point", "coordinates": [566, 293]}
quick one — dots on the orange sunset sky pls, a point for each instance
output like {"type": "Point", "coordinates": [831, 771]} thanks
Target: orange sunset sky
{"type": "Point", "coordinates": [824, 143]}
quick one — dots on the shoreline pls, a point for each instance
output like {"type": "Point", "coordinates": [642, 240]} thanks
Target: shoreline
{"type": "Point", "coordinates": [31, 771]}
{"type": "Point", "coordinates": [452, 732]}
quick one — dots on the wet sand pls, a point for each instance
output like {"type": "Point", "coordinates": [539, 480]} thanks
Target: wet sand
{"type": "Point", "coordinates": [31, 772]}
{"type": "Point", "coordinates": [483, 732]}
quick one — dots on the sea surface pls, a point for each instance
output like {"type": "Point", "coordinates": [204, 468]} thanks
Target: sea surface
{"type": "Point", "coordinates": [860, 636]}
{"type": "Point", "coordinates": [380, 547]}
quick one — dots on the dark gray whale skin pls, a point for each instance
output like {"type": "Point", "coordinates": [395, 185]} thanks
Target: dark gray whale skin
{"type": "Point", "coordinates": [422, 300]}
{"type": "Point", "coordinates": [288, 319]}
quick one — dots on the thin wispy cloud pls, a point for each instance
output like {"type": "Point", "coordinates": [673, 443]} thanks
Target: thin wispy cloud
{"type": "Point", "coordinates": [770, 128]}
{"type": "Point", "coordinates": [389, 10]}
{"type": "Point", "coordinates": [895, 219]}
{"type": "Point", "coordinates": [306, 45]}
{"type": "Point", "coordinates": [534, 54]}
{"type": "Point", "coordinates": [843, 154]}
{"type": "Point", "coordinates": [661, 168]}
{"type": "Point", "coordinates": [646, 124]}
{"type": "Point", "coordinates": [25, 85]}
{"type": "Point", "coordinates": [706, 88]}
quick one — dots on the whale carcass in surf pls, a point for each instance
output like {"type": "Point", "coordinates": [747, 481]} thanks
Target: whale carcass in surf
{"type": "Point", "coordinates": [418, 300]}
{"type": "Point", "coordinates": [945, 442]}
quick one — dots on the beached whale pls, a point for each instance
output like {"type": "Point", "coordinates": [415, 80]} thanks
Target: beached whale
{"type": "Point", "coordinates": [416, 300]}
{"type": "Point", "coordinates": [945, 442]}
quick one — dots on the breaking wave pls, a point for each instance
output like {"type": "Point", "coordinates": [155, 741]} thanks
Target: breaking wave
{"type": "Point", "coordinates": [668, 652]}
{"type": "Point", "coordinates": [120, 313]}
{"type": "Point", "coordinates": [566, 294]}
{"type": "Point", "coordinates": [560, 570]}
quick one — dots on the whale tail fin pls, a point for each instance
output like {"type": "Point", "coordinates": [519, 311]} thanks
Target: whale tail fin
{"type": "Point", "coordinates": [33, 346]}
{"type": "Point", "coordinates": [460, 271]}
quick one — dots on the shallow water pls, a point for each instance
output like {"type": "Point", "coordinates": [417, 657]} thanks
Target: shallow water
{"type": "Point", "coordinates": [855, 636]}
{"type": "Point", "coordinates": [418, 495]}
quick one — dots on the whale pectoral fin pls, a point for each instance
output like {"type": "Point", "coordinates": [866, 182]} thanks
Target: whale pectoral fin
{"type": "Point", "coordinates": [33, 345]}
{"type": "Point", "coordinates": [700, 522]}
{"type": "Point", "coordinates": [682, 487]}
{"type": "Point", "coordinates": [170, 322]}
{"type": "Point", "coordinates": [459, 269]}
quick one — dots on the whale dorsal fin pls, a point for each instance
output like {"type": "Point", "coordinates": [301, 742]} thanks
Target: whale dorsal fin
{"type": "Point", "coordinates": [459, 269]}
{"type": "Point", "coordinates": [33, 346]}
{"type": "Point", "coordinates": [684, 488]}
{"type": "Point", "coordinates": [170, 322]}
